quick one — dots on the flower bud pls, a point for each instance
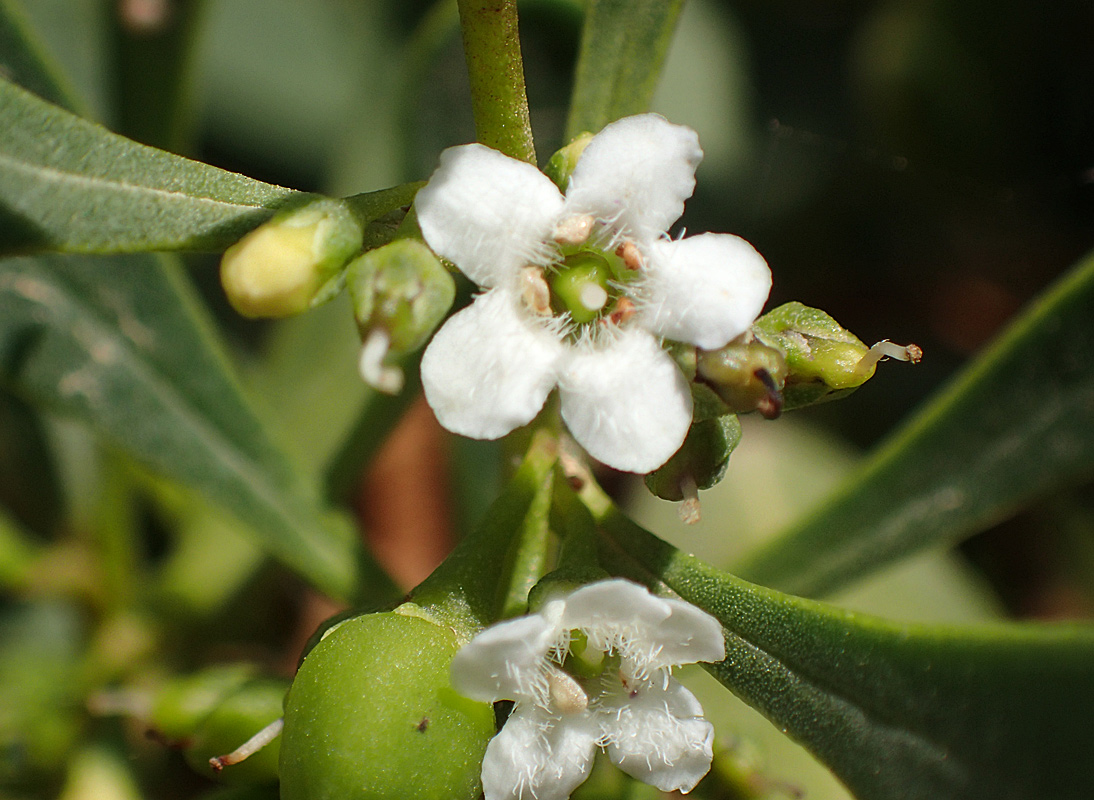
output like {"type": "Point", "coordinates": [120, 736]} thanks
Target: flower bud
{"type": "Point", "coordinates": [214, 711]}
{"type": "Point", "coordinates": [400, 293]}
{"type": "Point", "coordinates": [823, 359]}
{"type": "Point", "coordinates": [700, 463]}
{"type": "Point", "coordinates": [281, 267]}
{"type": "Point", "coordinates": [371, 714]}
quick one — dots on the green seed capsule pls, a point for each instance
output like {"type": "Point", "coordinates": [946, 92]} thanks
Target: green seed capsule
{"type": "Point", "coordinates": [371, 714]}
{"type": "Point", "coordinates": [702, 459]}
{"type": "Point", "coordinates": [746, 374]}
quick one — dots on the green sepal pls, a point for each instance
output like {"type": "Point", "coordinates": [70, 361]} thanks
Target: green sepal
{"type": "Point", "coordinates": [561, 165]}
{"type": "Point", "coordinates": [403, 288]}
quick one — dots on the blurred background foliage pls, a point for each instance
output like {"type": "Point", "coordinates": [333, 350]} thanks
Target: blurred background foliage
{"type": "Point", "coordinates": [917, 168]}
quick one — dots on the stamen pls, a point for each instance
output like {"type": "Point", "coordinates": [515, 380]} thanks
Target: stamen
{"type": "Point", "coordinates": [624, 309]}
{"type": "Point", "coordinates": [632, 257]}
{"type": "Point", "coordinates": [534, 291]}
{"type": "Point", "coordinates": [249, 747]}
{"type": "Point", "coordinates": [386, 379]}
{"type": "Point", "coordinates": [689, 509]}
{"type": "Point", "coordinates": [567, 694]}
{"type": "Point", "coordinates": [574, 230]}
{"type": "Point", "coordinates": [886, 349]}
{"type": "Point", "coordinates": [593, 296]}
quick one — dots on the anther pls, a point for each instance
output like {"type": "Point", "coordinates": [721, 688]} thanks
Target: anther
{"type": "Point", "coordinates": [632, 257]}
{"type": "Point", "coordinates": [534, 291]}
{"type": "Point", "coordinates": [574, 230]}
{"type": "Point", "coordinates": [567, 693]}
{"type": "Point", "coordinates": [624, 309]}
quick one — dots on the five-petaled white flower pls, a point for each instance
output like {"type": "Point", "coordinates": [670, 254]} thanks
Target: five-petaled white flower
{"type": "Point", "coordinates": [592, 669]}
{"type": "Point", "coordinates": [580, 289]}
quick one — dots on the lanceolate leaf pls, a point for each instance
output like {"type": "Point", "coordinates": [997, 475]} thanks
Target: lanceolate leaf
{"type": "Point", "coordinates": [1016, 424]}
{"type": "Point", "coordinates": [120, 344]}
{"type": "Point", "coordinates": [623, 47]}
{"type": "Point", "coordinates": [999, 712]}
{"type": "Point", "coordinates": [24, 60]}
{"type": "Point", "coordinates": [69, 184]}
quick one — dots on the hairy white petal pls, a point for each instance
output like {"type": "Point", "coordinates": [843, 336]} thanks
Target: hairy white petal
{"type": "Point", "coordinates": [626, 402]}
{"type": "Point", "coordinates": [488, 370]}
{"type": "Point", "coordinates": [539, 756]}
{"type": "Point", "coordinates": [659, 736]}
{"type": "Point", "coordinates": [487, 213]}
{"type": "Point", "coordinates": [688, 635]}
{"type": "Point", "coordinates": [705, 289]}
{"type": "Point", "coordinates": [636, 174]}
{"type": "Point", "coordinates": [506, 661]}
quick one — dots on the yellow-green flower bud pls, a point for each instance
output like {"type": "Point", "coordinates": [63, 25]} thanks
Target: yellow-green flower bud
{"type": "Point", "coordinates": [561, 165]}
{"type": "Point", "coordinates": [400, 293]}
{"type": "Point", "coordinates": [371, 715]}
{"type": "Point", "coordinates": [281, 267]}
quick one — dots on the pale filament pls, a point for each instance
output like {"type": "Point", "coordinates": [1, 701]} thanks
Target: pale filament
{"type": "Point", "coordinates": [249, 747]}
{"type": "Point", "coordinates": [387, 379]}
{"type": "Point", "coordinates": [887, 349]}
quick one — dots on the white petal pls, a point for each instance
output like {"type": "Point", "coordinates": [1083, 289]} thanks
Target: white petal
{"type": "Point", "coordinates": [506, 661]}
{"type": "Point", "coordinates": [487, 370]}
{"type": "Point", "coordinates": [538, 756]}
{"type": "Point", "coordinates": [686, 636]}
{"type": "Point", "coordinates": [651, 633]}
{"type": "Point", "coordinates": [637, 172]}
{"type": "Point", "coordinates": [487, 213]}
{"type": "Point", "coordinates": [626, 402]}
{"type": "Point", "coordinates": [659, 736]}
{"type": "Point", "coordinates": [705, 289]}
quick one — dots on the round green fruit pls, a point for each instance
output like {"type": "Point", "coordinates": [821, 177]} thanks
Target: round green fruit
{"type": "Point", "coordinates": [371, 714]}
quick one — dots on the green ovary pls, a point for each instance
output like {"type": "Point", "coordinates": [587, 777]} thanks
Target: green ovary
{"type": "Point", "coordinates": [582, 285]}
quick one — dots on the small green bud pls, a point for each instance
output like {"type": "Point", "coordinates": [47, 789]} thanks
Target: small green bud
{"type": "Point", "coordinates": [824, 360]}
{"type": "Point", "coordinates": [182, 704]}
{"type": "Point", "coordinates": [746, 374]}
{"type": "Point", "coordinates": [283, 266]}
{"type": "Point", "coordinates": [560, 166]}
{"type": "Point", "coordinates": [400, 294]}
{"type": "Point", "coordinates": [371, 715]}
{"type": "Point", "coordinates": [233, 723]}
{"type": "Point", "coordinates": [700, 463]}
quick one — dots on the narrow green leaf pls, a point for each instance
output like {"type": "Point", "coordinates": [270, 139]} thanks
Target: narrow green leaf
{"type": "Point", "coordinates": [1014, 425]}
{"type": "Point", "coordinates": [623, 47]}
{"type": "Point", "coordinates": [120, 343]}
{"type": "Point", "coordinates": [69, 184]}
{"type": "Point", "coordinates": [997, 712]}
{"type": "Point", "coordinates": [23, 59]}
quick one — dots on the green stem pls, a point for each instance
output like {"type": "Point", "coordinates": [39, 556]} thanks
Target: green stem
{"type": "Point", "coordinates": [499, 101]}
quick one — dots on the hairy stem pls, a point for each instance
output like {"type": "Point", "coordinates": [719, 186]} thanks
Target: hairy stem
{"type": "Point", "coordinates": [498, 97]}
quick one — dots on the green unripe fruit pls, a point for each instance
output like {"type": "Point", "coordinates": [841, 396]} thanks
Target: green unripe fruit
{"type": "Point", "coordinates": [702, 458]}
{"type": "Point", "coordinates": [371, 714]}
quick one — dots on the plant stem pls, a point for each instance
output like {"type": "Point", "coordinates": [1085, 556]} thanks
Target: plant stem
{"type": "Point", "coordinates": [494, 65]}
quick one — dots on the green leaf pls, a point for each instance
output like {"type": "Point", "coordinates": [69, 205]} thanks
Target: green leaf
{"type": "Point", "coordinates": [895, 710]}
{"type": "Point", "coordinates": [120, 343]}
{"type": "Point", "coordinates": [1013, 426]}
{"type": "Point", "coordinates": [623, 47]}
{"type": "Point", "coordinates": [23, 59]}
{"type": "Point", "coordinates": [69, 184]}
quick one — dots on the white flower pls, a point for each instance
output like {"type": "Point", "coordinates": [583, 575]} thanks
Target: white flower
{"type": "Point", "coordinates": [622, 641]}
{"type": "Point", "coordinates": [547, 318]}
